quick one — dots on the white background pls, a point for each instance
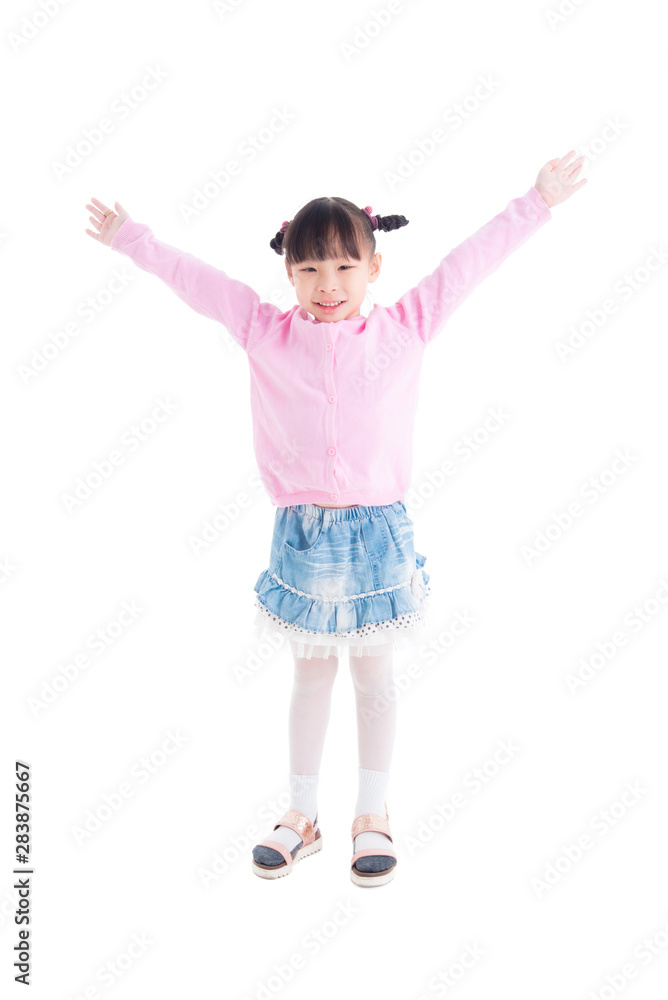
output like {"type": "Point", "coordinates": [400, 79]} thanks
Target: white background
{"type": "Point", "coordinates": [559, 82]}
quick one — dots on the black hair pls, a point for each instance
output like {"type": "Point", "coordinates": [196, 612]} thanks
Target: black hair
{"type": "Point", "coordinates": [327, 228]}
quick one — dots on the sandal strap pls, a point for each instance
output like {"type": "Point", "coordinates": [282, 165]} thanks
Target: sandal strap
{"type": "Point", "coordinates": [369, 852]}
{"type": "Point", "coordinates": [276, 845]}
{"type": "Point", "coordinates": [370, 823]}
{"type": "Point", "coordinates": [301, 824]}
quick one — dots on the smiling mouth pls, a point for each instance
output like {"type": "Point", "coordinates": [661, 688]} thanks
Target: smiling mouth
{"type": "Point", "coordinates": [331, 305]}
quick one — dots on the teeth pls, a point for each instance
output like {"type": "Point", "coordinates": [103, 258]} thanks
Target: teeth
{"type": "Point", "coordinates": [331, 303]}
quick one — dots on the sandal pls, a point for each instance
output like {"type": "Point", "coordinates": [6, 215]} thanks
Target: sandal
{"type": "Point", "coordinates": [265, 861]}
{"type": "Point", "coordinates": [377, 872]}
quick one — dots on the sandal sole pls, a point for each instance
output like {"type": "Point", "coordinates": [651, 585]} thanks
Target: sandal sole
{"type": "Point", "coordinates": [372, 878]}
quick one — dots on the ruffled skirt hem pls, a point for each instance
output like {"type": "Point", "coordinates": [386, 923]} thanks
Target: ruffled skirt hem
{"type": "Point", "coordinates": [405, 631]}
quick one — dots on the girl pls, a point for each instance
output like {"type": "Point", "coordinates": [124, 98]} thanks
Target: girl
{"type": "Point", "coordinates": [333, 400]}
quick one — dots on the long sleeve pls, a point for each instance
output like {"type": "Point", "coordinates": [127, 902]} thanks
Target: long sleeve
{"type": "Point", "coordinates": [426, 307]}
{"type": "Point", "coordinates": [203, 287]}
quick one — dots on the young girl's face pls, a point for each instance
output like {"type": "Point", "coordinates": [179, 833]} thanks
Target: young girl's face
{"type": "Point", "coordinates": [342, 279]}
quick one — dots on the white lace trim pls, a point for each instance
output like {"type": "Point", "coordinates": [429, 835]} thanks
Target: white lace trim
{"type": "Point", "coordinates": [404, 631]}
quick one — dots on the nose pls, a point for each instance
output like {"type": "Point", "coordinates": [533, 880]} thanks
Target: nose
{"type": "Point", "coordinates": [329, 282]}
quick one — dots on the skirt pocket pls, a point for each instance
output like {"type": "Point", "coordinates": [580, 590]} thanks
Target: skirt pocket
{"type": "Point", "coordinates": [301, 531]}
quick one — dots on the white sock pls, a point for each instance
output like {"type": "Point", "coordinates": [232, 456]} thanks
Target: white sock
{"type": "Point", "coordinates": [371, 799]}
{"type": "Point", "coordinates": [304, 797]}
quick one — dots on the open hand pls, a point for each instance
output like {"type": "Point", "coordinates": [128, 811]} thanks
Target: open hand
{"type": "Point", "coordinates": [106, 227]}
{"type": "Point", "coordinates": [555, 181]}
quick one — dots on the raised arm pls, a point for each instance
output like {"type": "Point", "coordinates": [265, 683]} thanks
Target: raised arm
{"type": "Point", "coordinates": [425, 308]}
{"type": "Point", "coordinates": [205, 288]}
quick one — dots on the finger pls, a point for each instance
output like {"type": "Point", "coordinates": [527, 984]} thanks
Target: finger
{"type": "Point", "coordinates": [100, 204]}
{"type": "Point", "coordinates": [103, 211]}
{"type": "Point", "coordinates": [579, 184]}
{"type": "Point", "coordinates": [98, 214]}
{"type": "Point", "coordinates": [564, 160]}
{"type": "Point", "coordinates": [96, 223]}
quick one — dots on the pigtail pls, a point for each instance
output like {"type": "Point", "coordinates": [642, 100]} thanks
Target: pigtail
{"type": "Point", "coordinates": [387, 223]}
{"type": "Point", "coordinates": [277, 242]}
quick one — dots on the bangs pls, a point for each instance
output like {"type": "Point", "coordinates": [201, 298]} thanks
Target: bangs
{"type": "Point", "coordinates": [324, 231]}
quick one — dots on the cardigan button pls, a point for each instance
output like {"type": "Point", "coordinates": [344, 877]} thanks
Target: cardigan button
{"type": "Point", "coordinates": [331, 398]}
{"type": "Point", "coordinates": [334, 496]}
{"type": "Point", "coordinates": [331, 451]}
{"type": "Point", "coordinates": [328, 346]}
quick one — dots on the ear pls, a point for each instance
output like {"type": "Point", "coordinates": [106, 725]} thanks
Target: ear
{"type": "Point", "coordinates": [374, 266]}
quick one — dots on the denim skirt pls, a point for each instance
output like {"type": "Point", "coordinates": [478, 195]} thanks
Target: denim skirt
{"type": "Point", "coordinates": [343, 578]}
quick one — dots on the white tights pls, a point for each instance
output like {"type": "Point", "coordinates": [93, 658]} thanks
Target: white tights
{"type": "Point", "coordinates": [310, 706]}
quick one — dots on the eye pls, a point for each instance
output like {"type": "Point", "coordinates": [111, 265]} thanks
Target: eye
{"type": "Point", "coordinates": [347, 267]}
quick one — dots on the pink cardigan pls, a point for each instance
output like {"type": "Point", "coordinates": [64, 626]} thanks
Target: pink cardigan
{"type": "Point", "coordinates": [333, 404]}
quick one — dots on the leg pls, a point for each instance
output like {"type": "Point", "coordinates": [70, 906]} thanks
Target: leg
{"type": "Point", "coordinates": [309, 712]}
{"type": "Point", "coordinates": [376, 725]}
{"type": "Point", "coordinates": [308, 718]}
{"type": "Point", "coordinates": [376, 716]}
